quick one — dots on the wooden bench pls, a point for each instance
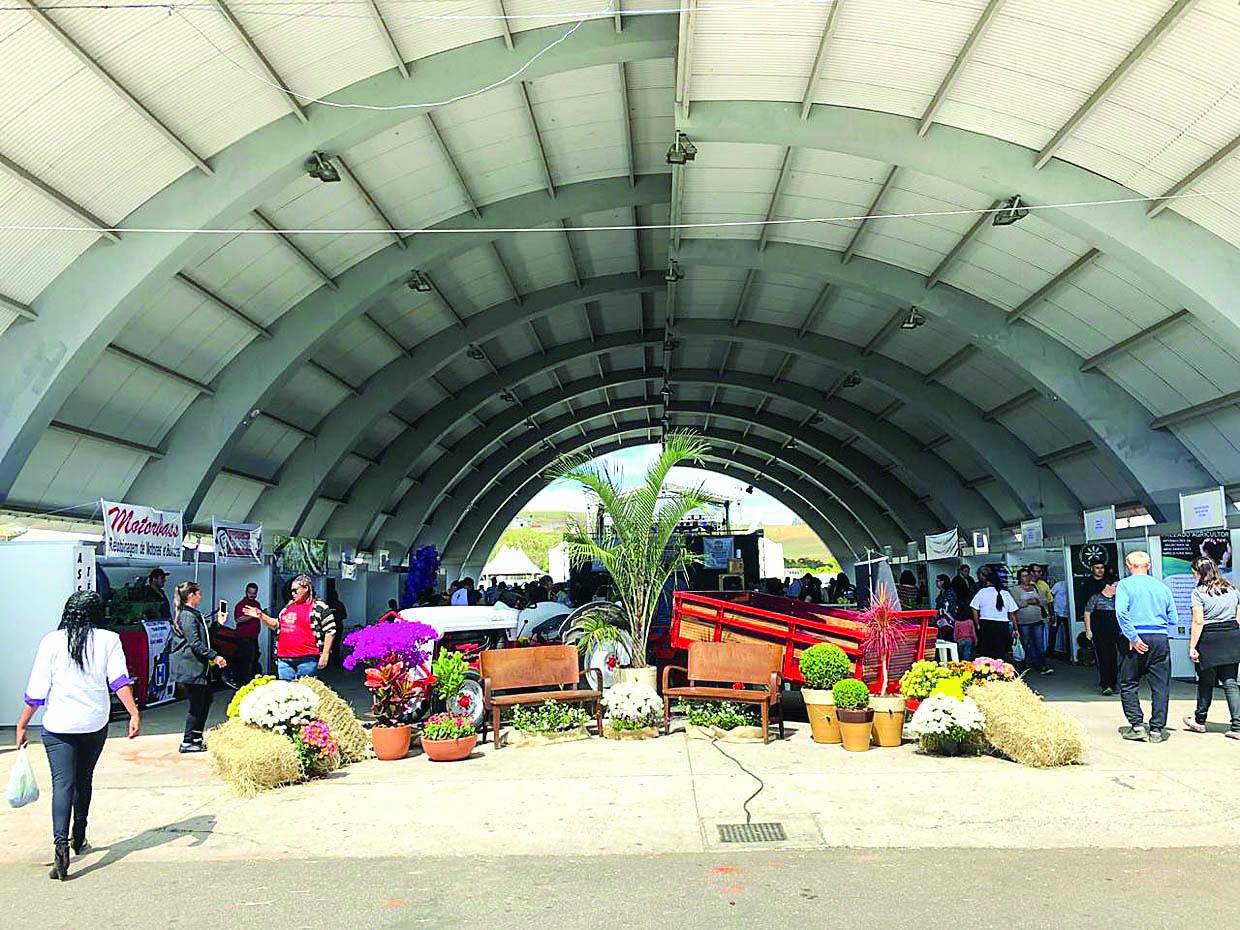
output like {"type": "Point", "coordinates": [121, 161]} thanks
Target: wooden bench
{"type": "Point", "coordinates": [519, 671]}
{"type": "Point", "coordinates": [721, 665]}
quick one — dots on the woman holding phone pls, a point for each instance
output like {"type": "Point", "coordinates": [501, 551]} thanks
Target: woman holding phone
{"type": "Point", "coordinates": [191, 660]}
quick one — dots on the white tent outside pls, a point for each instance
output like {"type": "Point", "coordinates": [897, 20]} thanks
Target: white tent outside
{"type": "Point", "coordinates": [512, 564]}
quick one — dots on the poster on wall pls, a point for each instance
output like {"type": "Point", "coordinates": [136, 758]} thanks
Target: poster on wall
{"type": "Point", "coordinates": [83, 568]}
{"type": "Point", "coordinates": [1205, 510]}
{"type": "Point", "coordinates": [945, 545]}
{"type": "Point", "coordinates": [1082, 557]}
{"type": "Point", "coordinates": [1031, 534]}
{"type": "Point", "coordinates": [160, 686]}
{"type": "Point", "coordinates": [981, 541]}
{"type": "Point", "coordinates": [385, 560]}
{"type": "Point", "coordinates": [237, 542]}
{"type": "Point", "coordinates": [1100, 524]}
{"type": "Point", "coordinates": [716, 550]}
{"type": "Point", "coordinates": [141, 533]}
{"type": "Point", "coordinates": [1178, 552]}
{"type": "Point", "coordinates": [299, 555]}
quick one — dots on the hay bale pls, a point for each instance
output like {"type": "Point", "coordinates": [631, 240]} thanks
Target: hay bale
{"type": "Point", "coordinates": [1024, 728]}
{"type": "Point", "coordinates": [337, 713]}
{"type": "Point", "coordinates": [251, 759]}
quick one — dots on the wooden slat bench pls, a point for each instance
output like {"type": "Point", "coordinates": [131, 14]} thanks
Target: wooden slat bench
{"type": "Point", "coordinates": [715, 667]}
{"type": "Point", "coordinates": [520, 672]}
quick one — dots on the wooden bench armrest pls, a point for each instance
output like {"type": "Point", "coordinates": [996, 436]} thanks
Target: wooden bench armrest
{"type": "Point", "coordinates": [775, 682]}
{"type": "Point", "coordinates": [598, 672]}
{"type": "Point", "coordinates": [667, 673]}
{"type": "Point", "coordinates": [486, 692]}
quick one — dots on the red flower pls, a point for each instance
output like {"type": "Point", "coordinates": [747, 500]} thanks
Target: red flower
{"type": "Point", "coordinates": [612, 662]}
{"type": "Point", "coordinates": [738, 686]}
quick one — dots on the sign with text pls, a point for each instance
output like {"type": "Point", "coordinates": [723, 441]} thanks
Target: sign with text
{"type": "Point", "coordinates": [716, 550]}
{"type": "Point", "coordinates": [945, 545]}
{"type": "Point", "coordinates": [83, 568]}
{"type": "Point", "coordinates": [1031, 533]}
{"type": "Point", "coordinates": [1205, 510]}
{"type": "Point", "coordinates": [981, 540]}
{"type": "Point", "coordinates": [134, 532]}
{"type": "Point", "coordinates": [1100, 524]}
{"type": "Point", "coordinates": [237, 542]}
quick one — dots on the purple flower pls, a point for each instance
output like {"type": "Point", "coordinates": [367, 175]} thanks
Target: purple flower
{"type": "Point", "coordinates": [383, 643]}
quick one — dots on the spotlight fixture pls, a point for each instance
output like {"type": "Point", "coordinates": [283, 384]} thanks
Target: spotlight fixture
{"type": "Point", "coordinates": [816, 418]}
{"type": "Point", "coordinates": [674, 272]}
{"type": "Point", "coordinates": [319, 166]}
{"type": "Point", "coordinates": [667, 393]}
{"type": "Point", "coordinates": [507, 397]}
{"type": "Point", "coordinates": [682, 151]}
{"type": "Point", "coordinates": [1012, 211]}
{"type": "Point", "coordinates": [851, 381]}
{"type": "Point", "coordinates": [913, 320]}
{"type": "Point", "coordinates": [475, 353]}
{"type": "Point", "coordinates": [253, 415]}
{"type": "Point", "coordinates": [749, 489]}
{"type": "Point", "coordinates": [419, 282]}
{"type": "Point", "coordinates": [792, 444]}
{"type": "Point", "coordinates": [671, 345]}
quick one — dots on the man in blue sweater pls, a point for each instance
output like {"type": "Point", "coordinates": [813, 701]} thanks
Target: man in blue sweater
{"type": "Point", "coordinates": [1146, 614]}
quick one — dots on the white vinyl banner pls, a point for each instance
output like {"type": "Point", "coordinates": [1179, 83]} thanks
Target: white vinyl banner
{"type": "Point", "coordinates": [1205, 510]}
{"type": "Point", "coordinates": [1031, 533]}
{"type": "Point", "coordinates": [237, 542]}
{"type": "Point", "coordinates": [945, 545]}
{"type": "Point", "coordinates": [134, 532]}
{"type": "Point", "coordinates": [716, 551]}
{"type": "Point", "coordinates": [1100, 524]}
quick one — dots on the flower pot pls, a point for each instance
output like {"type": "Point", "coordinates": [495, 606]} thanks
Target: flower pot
{"type": "Point", "coordinates": [391, 742]}
{"type": "Point", "coordinates": [647, 675]}
{"type": "Point", "coordinates": [640, 733]}
{"type": "Point", "coordinates": [820, 707]}
{"type": "Point", "coordinates": [449, 750]}
{"type": "Point", "coordinates": [888, 719]}
{"type": "Point", "coordinates": [855, 728]}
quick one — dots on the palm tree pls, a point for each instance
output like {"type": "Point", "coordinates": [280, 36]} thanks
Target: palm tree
{"type": "Point", "coordinates": [644, 550]}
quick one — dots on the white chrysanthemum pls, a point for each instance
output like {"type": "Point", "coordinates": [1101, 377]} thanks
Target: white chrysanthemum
{"type": "Point", "coordinates": [279, 705]}
{"type": "Point", "coordinates": [942, 714]}
{"type": "Point", "coordinates": [634, 702]}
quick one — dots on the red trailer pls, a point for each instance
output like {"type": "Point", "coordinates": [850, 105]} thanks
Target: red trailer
{"type": "Point", "coordinates": [747, 616]}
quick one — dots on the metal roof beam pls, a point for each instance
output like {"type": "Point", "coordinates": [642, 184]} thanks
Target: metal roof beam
{"type": "Point", "coordinates": [370, 201]}
{"type": "Point", "coordinates": [974, 483]}
{"type": "Point", "coordinates": [637, 244]}
{"type": "Point", "coordinates": [818, 310]}
{"type": "Point", "coordinates": [542, 149]}
{"type": "Point", "coordinates": [951, 364]}
{"type": "Point", "coordinates": [751, 278]}
{"type": "Point", "coordinates": [56, 197]}
{"type": "Point", "coordinates": [1151, 38]}
{"type": "Point", "coordinates": [293, 103]}
{"type": "Point", "coordinates": [828, 30]}
{"type": "Point", "coordinates": [334, 377]}
{"type": "Point", "coordinates": [619, 15]}
{"type": "Point", "coordinates": [1135, 339]}
{"type": "Point", "coordinates": [121, 91]}
{"type": "Point", "coordinates": [306, 260]}
{"type": "Point", "coordinates": [159, 369]}
{"type": "Point", "coordinates": [890, 410]}
{"type": "Point", "coordinates": [386, 333]}
{"type": "Point", "coordinates": [246, 476]}
{"type": "Point", "coordinates": [1009, 405]}
{"type": "Point", "coordinates": [503, 267]}
{"type": "Point", "coordinates": [962, 58]}
{"type": "Point", "coordinates": [1161, 203]}
{"type": "Point", "coordinates": [572, 254]}
{"type": "Point", "coordinates": [979, 224]}
{"type": "Point", "coordinates": [503, 22]}
{"type": "Point", "coordinates": [388, 39]}
{"type": "Point", "coordinates": [460, 320]}
{"type": "Point", "coordinates": [936, 442]}
{"type": "Point", "coordinates": [764, 236]}
{"type": "Point", "coordinates": [684, 56]}
{"type": "Point", "coordinates": [627, 122]}
{"type": "Point", "coordinates": [126, 444]}
{"type": "Point", "coordinates": [838, 385]}
{"type": "Point", "coordinates": [244, 318]}
{"type": "Point", "coordinates": [22, 310]}
{"type": "Point", "coordinates": [455, 168]}
{"type": "Point", "coordinates": [678, 200]}
{"type": "Point", "coordinates": [1050, 286]}
{"type": "Point", "coordinates": [888, 329]}
{"type": "Point", "coordinates": [585, 315]}
{"type": "Point", "coordinates": [1067, 452]}
{"type": "Point", "coordinates": [1177, 417]}
{"type": "Point", "coordinates": [846, 257]}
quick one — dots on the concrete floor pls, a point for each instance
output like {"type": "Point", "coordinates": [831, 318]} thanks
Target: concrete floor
{"type": "Point", "coordinates": [664, 796]}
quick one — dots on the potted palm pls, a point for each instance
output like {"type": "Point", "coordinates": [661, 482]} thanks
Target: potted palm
{"type": "Point", "coordinates": [643, 551]}
{"type": "Point", "coordinates": [882, 638]}
{"type": "Point", "coordinates": [823, 665]}
{"type": "Point", "coordinates": [852, 707]}
{"type": "Point", "coordinates": [602, 638]}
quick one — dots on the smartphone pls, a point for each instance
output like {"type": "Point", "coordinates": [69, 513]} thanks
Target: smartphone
{"type": "Point", "coordinates": [224, 607]}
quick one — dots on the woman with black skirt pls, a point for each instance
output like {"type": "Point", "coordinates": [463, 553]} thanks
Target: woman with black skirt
{"type": "Point", "coordinates": [994, 609]}
{"type": "Point", "coordinates": [191, 660]}
{"type": "Point", "coordinates": [1215, 644]}
{"type": "Point", "coordinates": [1102, 629]}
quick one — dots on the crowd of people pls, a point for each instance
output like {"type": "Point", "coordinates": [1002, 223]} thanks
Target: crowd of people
{"type": "Point", "coordinates": [838, 589]}
{"type": "Point", "coordinates": [465, 592]}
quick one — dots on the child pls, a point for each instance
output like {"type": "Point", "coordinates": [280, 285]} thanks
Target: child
{"type": "Point", "coordinates": [966, 638]}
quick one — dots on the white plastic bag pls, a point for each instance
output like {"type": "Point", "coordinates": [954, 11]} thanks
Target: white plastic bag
{"type": "Point", "coordinates": [1018, 649]}
{"type": "Point", "coordinates": [23, 789]}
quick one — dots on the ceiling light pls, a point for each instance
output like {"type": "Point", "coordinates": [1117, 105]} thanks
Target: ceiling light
{"type": "Point", "coordinates": [851, 381]}
{"type": "Point", "coordinates": [749, 489]}
{"type": "Point", "coordinates": [507, 397]}
{"type": "Point", "coordinates": [671, 345]}
{"type": "Point", "coordinates": [913, 320]}
{"type": "Point", "coordinates": [681, 151]}
{"type": "Point", "coordinates": [475, 353]}
{"type": "Point", "coordinates": [674, 272]}
{"type": "Point", "coordinates": [320, 167]}
{"type": "Point", "coordinates": [419, 282]}
{"type": "Point", "coordinates": [1012, 211]}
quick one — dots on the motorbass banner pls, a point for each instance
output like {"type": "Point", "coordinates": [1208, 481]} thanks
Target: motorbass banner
{"type": "Point", "coordinates": [237, 542]}
{"type": "Point", "coordinates": [945, 545]}
{"type": "Point", "coordinates": [134, 532]}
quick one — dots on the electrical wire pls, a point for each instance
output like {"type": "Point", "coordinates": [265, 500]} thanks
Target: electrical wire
{"type": "Point", "coordinates": [755, 777]}
{"type": "Point", "coordinates": [617, 227]}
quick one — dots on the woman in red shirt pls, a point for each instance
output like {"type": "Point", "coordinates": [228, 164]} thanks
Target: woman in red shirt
{"type": "Point", "coordinates": [305, 632]}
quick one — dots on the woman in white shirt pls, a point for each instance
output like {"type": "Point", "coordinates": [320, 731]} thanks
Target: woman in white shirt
{"type": "Point", "coordinates": [74, 669]}
{"type": "Point", "coordinates": [994, 609]}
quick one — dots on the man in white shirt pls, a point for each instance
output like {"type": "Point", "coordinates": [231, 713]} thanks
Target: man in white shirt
{"type": "Point", "coordinates": [1060, 618]}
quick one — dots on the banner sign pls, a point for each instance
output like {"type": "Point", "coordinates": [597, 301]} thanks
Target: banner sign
{"type": "Point", "coordinates": [1031, 533]}
{"type": "Point", "coordinates": [160, 687]}
{"type": "Point", "coordinates": [83, 568]}
{"type": "Point", "coordinates": [912, 552]}
{"type": "Point", "coordinates": [1178, 552]}
{"type": "Point", "coordinates": [1205, 510]}
{"type": "Point", "coordinates": [1100, 524]}
{"type": "Point", "coordinates": [716, 550]}
{"type": "Point", "coordinates": [299, 555]}
{"type": "Point", "coordinates": [945, 545]}
{"type": "Point", "coordinates": [981, 540]}
{"type": "Point", "coordinates": [133, 532]}
{"type": "Point", "coordinates": [1082, 559]}
{"type": "Point", "coordinates": [237, 542]}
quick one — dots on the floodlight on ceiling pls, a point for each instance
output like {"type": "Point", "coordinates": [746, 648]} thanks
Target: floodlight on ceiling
{"type": "Point", "coordinates": [1012, 211]}
{"type": "Point", "coordinates": [851, 381]}
{"type": "Point", "coordinates": [671, 345]}
{"type": "Point", "coordinates": [475, 353]}
{"type": "Point", "coordinates": [913, 320]}
{"type": "Point", "coordinates": [507, 397]}
{"type": "Point", "coordinates": [681, 151]}
{"type": "Point", "coordinates": [674, 272]}
{"type": "Point", "coordinates": [749, 489]}
{"type": "Point", "coordinates": [419, 282]}
{"type": "Point", "coordinates": [319, 166]}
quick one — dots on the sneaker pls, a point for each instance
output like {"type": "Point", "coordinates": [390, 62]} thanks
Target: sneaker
{"type": "Point", "coordinates": [192, 747]}
{"type": "Point", "coordinates": [1190, 723]}
{"type": "Point", "coordinates": [1108, 692]}
{"type": "Point", "coordinates": [1158, 736]}
{"type": "Point", "coordinates": [1136, 733]}
{"type": "Point", "coordinates": [1232, 734]}
{"type": "Point", "coordinates": [1047, 671]}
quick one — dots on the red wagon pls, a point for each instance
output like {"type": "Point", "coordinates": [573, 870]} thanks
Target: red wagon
{"type": "Point", "coordinates": [745, 616]}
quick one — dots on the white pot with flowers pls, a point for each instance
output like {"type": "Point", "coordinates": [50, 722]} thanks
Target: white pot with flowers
{"type": "Point", "coordinates": [633, 711]}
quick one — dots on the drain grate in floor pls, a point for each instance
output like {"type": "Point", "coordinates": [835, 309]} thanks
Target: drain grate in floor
{"type": "Point", "coordinates": [751, 833]}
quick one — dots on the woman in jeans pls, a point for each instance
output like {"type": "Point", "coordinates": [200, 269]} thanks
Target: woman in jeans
{"type": "Point", "coordinates": [190, 662]}
{"type": "Point", "coordinates": [74, 670]}
{"type": "Point", "coordinates": [1031, 621]}
{"type": "Point", "coordinates": [305, 632]}
{"type": "Point", "coordinates": [1215, 644]}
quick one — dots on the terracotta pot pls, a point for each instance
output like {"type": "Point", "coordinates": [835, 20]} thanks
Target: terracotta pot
{"type": "Point", "coordinates": [820, 707]}
{"type": "Point", "coordinates": [888, 719]}
{"type": "Point", "coordinates": [449, 750]}
{"type": "Point", "coordinates": [855, 728]}
{"type": "Point", "coordinates": [391, 742]}
{"type": "Point", "coordinates": [649, 675]}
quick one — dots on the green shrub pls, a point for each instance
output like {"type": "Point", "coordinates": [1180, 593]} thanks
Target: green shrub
{"type": "Point", "coordinates": [726, 715]}
{"type": "Point", "coordinates": [824, 664]}
{"type": "Point", "coordinates": [449, 670]}
{"type": "Point", "coordinates": [549, 717]}
{"type": "Point", "coordinates": [851, 694]}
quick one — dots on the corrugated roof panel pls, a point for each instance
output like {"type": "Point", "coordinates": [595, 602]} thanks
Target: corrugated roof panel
{"type": "Point", "coordinates": [923, 348]}
{"type": "Point", "coordinates": [1217, 212]}
{"type": "Point", "coordinates": [405, 172]}
{"type": "Point", "coordinates": [650, 113]}
{"type": "Point", "coordinates": [29, 260]}
{"type": "Point", "coordinates": [1094, 480]}
{"type": "Point", "coordinates": [537, 260]}
{"type": "Point", "coordinates": [581, 123]}
{"type": "Point", "coordinates": [343, 475]}
{"type": "Point", "coordinates": [66, 470]}
{"type": "Point", "coordinates": [357, 351]}
{"type": "Point", "coordinates": [263, 446]}
{"type": "Point", "coordinates": [123, 399]}
{"type": "Point", "coordinates": [318, 516]}
{"type": "Point", "coordinates": [1199, 368]}
{"type": "Point", "coordinates": [307, 394]}
{"type": "Point", "coordinates": [1152, 388]}
{"type": "Point", "coordinates": [604, 253]}
{"type": "Point", "coordinates": [1215, 441]}
{"type": "Point", "coordinates": [418, 37]}
{"type": "Point", "coordinates": [229, 498]}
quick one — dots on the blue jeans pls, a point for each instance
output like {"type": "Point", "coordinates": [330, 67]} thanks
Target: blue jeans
{"type": "Point", "coordinates": [297, 667]}
{"type": "Point", "coordinates": [1035, 650]}
{"type": "Point", "coordinates": [72, 758]}
{"type": "Point", "coordinates": [965, 648]}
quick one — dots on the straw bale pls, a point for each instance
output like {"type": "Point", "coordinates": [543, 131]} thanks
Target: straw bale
{"type": "Point", "coordinates": [337, 713]}
{"type": "Point", "coordinates": [1024, 728]}
{"type": "Point", "coordinates": [251, 759]}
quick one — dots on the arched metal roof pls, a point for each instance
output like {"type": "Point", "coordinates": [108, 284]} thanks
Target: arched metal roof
{"type": "Point", "coordinates": [1088, 354]}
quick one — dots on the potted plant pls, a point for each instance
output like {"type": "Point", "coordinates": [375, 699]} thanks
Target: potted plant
{"type": "Point", "coordinates": [823, 665]}
{"type": "Point", "coordinates": [881, 639]}
{"type": "Point", "coordinates": [549, 722]}
{"type": "Point", "coordinates": [448, 737]}
{"type": "Point", "coordinates": [633, 711]}
{"type": "Point", "coordinates": [603, 640]}
{"type": "Point", "coordinates": [729, 721]}
{"type": "Point", "coordinates": [449, 671]}
{"type": "Point", "coordinates": [394, 689]}
{"type": "Point", "coordinates": [852, 708]}
{"type": "Point", "coordinates": [641, 549]}
{"type": "Point", "coordinates": [947, 725]}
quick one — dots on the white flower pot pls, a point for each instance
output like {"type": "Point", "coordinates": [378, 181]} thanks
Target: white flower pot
{"type": "Point", "coordinates": [648, 676]}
